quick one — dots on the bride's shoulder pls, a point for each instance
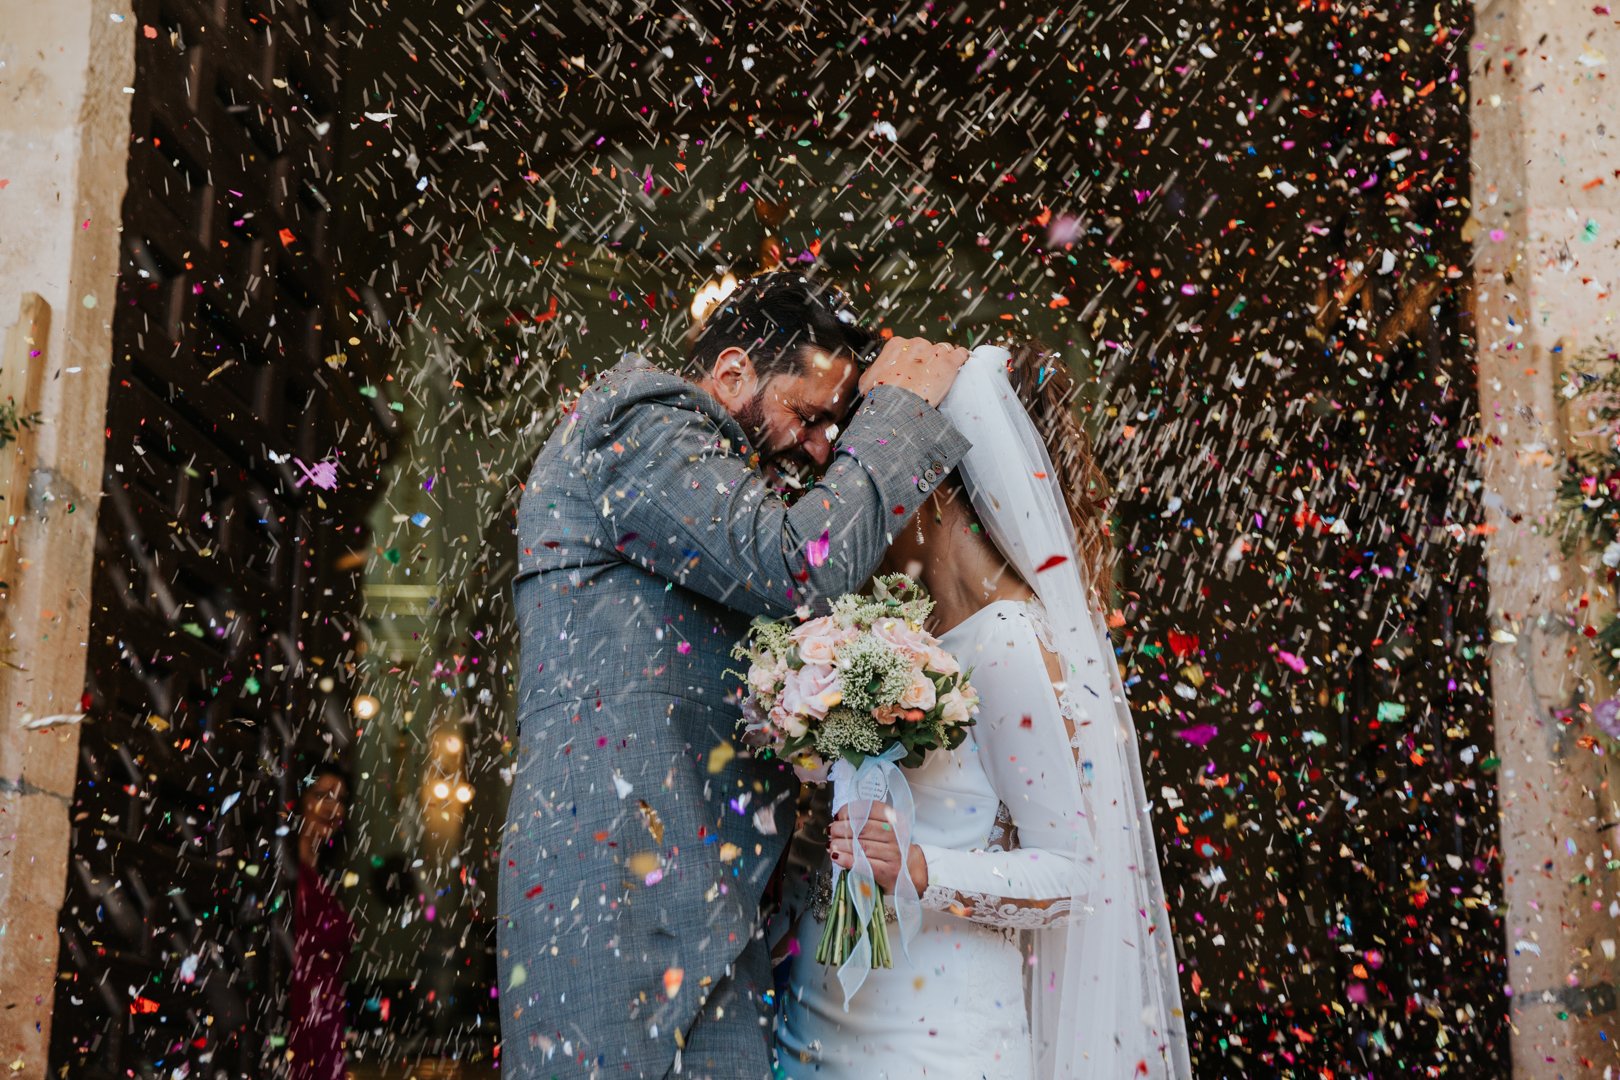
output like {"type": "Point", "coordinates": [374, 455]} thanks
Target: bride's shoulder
{"type": "Point", "coordinates": [1024, 617]}
{"type": "Point", "coordinates": [1007, 639]}
{"type": "Point", "coordinates": [1029, 612]}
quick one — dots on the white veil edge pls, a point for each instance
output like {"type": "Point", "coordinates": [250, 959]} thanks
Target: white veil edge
{"type": "Point", "coordinates": [1102, 990]}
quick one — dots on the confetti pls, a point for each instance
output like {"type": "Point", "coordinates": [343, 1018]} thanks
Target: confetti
{"type": "Point", "coordinates": [1262, 243]}
{"type": "Point", "coordinates": [721, 756]}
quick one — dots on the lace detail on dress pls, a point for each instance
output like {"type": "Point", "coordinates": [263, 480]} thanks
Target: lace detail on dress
{"type": "Point", "coordinates": [997, 911]}
{"type": "Point", "coordinates": [1069, 708]}
{"type": "Point", "coordinates": [1067, 705]}
{"type": "Point", "coordinates": [1038, 622]}
{"type": "Point", "coordinates": [1003, 832]}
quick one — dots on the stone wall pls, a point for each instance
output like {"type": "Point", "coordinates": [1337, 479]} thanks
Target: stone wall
{"type": "Point", "coordinates": [1546, 198]}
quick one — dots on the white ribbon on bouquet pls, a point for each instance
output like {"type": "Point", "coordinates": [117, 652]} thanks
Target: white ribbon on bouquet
{"type": "Point", "coordinates": [876, 779]}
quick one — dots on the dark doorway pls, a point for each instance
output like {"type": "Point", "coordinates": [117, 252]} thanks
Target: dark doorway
{"type": "Point", "coordinates": [1242, 227]}
{"type": "Point", "coordinates": [222, 635]}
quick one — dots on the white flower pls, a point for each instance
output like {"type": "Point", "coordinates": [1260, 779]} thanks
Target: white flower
{"type": "Point", "coordinates": [920, 694]}
{"type": "Point", "coordinates": [954, 709]}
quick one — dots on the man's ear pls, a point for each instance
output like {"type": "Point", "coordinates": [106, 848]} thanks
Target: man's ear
{"type": "Point", "coordinates": [734, 379]}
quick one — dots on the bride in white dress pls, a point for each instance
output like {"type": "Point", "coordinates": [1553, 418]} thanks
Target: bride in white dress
{"type": "Point", "coordinates": [1044, 948]}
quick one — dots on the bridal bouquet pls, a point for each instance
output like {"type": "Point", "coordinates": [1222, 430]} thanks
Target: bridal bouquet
{"type": "Point", "coordinates": [851, 697]}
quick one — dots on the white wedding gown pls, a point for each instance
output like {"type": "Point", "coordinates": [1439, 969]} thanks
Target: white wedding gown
{"type": "Point", "coordinates": [957, 1009]}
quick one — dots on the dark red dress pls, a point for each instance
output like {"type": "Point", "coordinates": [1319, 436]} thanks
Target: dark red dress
{"type": "Point", "coordinates": [322, 934]}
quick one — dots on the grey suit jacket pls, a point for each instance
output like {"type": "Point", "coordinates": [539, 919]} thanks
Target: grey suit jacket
{"type": "Point", "coordinates": [640, 835]}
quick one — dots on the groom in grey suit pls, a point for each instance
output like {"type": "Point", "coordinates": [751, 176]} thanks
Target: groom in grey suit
{"type": "Point", "coordinates": [641, 835]}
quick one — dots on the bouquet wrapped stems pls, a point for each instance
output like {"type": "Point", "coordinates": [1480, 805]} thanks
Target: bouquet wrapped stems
{"type": "Point", "coordinates": [852, 699]}
{"type": "Point", "coordinates": [843, 930]}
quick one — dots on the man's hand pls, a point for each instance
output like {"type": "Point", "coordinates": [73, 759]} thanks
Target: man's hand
{"type": "Point", "coordinates": [882, 848]}
{"type": "Point", "coordinates": [924, 368]}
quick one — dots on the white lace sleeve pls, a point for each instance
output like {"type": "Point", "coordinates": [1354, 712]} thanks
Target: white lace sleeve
{"type": "Point", "coordinates": [1025, 748]}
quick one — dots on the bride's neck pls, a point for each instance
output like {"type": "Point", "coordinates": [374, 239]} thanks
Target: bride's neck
{"type": "Point", "coordinates": [966, 573]}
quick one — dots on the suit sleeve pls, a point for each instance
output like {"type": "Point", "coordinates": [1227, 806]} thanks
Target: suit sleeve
{"type": "Point", "coordinates": [685, 506]}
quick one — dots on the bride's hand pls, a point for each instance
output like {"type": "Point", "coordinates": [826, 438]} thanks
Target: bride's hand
{"type": "Point", "coordinates": [882, 848]}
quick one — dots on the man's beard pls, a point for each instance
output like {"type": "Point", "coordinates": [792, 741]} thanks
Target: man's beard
{"type": "Point", "coordinates": [788, 472]}
{"type": "Point", "coordinates": [751, 418]}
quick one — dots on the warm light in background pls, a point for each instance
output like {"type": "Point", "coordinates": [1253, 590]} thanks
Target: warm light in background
{"type": "Point", "coordinates": [366, 706]}
{"type": "Point", "coordinates": [711, 295]}
{"type": "Point", "coordinates": [445, 792]}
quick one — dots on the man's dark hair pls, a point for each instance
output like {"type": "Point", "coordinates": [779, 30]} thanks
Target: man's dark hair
{"type": "Point", "coordinates": [775, 318]}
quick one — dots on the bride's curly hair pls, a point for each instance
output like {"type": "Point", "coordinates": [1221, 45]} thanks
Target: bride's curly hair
{"type": "Point", "coordinates": [1047, 389]}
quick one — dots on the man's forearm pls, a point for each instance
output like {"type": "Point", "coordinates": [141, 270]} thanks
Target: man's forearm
{"type": "Point", "coordinates": [701, 516]}
{"type": "Point", "coordinates": [905, 448]}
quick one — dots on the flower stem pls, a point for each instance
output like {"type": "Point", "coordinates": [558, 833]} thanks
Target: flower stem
{"type": "Point", "coordinates": [879, 932]}
{"type": "Point", "coordinates": [843, 929]}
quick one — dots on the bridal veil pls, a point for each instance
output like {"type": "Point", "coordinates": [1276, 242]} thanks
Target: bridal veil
{"type": "Point", "coordinates": [1101, 987]}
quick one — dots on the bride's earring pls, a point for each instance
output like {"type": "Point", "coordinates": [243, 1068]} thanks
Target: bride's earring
{"type": "Point", "coordinates": [939, 517]}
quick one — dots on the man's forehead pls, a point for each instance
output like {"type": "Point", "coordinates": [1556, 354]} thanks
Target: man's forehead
{"type": "Point", "coordinates": [826, 370]}
{"type": "Point", "coordinates": [819, 361]}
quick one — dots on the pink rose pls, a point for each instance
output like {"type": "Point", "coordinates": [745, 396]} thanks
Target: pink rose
{"type": "Point", "coordinates": [818, 639]}
{"type": "Point", "coordinates": [791, 725]}
{"type": "Point", "coordinates": [912, 644]}
{"type": "Point", "coordinates": [810, 768]}
{"type": "Point", "coordinates": [940, 662]}
{"type": "Point", "coordinates": [810, 691]}
{"type": "Point", "coordinates": [919, 695]}
{"type": "Point", "coordinates": [765, 675]}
